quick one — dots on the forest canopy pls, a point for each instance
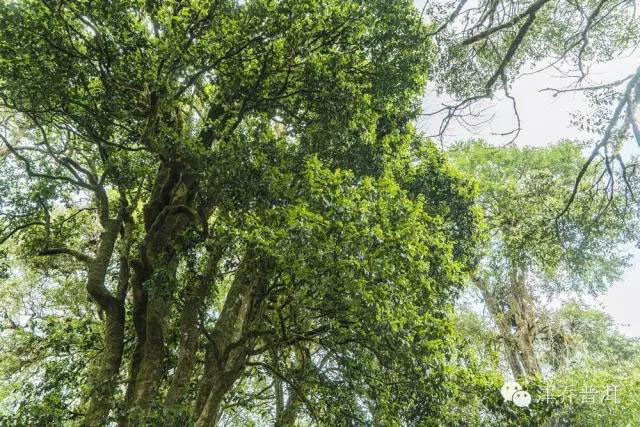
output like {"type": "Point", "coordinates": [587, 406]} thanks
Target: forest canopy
{"type": "Point", "coordinates": [222, 212]}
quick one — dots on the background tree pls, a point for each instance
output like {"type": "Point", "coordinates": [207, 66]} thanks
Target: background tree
{"type": "Point", "coordinates": [531, 256]}
{"type": "Point", "coordinates": [485, 46]}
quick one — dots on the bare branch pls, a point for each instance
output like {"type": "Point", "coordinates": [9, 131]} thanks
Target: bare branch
{"type": "Point", "coordinates": [604, 141]}
{"type": "Point", "coordinates": [557, 92]}
{"type": "Point", "coordinates": [531, 10]}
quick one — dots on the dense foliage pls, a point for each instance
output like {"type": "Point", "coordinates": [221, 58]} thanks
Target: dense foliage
{"type": "Point", "coordinates": [220, 212]}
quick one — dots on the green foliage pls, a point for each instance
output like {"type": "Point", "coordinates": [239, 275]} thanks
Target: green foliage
{"type": "Point", "coordinates": [597, 394]}
{"type": "Point", "coordinates": [141, 137]}
{"type": "Point", "coordinates": [523, 193]}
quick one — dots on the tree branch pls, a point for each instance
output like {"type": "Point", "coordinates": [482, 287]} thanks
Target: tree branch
{"type": "Point", "coordinates": [531, 10]}
{"type": "Point", "coordinates": [66, 251]}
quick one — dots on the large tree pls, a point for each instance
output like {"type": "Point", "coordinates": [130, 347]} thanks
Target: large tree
{"type": "Point", "coordinates": [532, 256]}
{"type": "Point", "coordinates": [228, 179]}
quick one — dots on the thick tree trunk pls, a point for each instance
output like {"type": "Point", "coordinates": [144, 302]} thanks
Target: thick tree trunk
{"type": "Point", "coordinates": [171, 211]}
{"type": "Point", "coordinates": [278, 388]}
{"type": "Point", "coordinates": [139, 323]}
{"type": "Point", "coordinates": [233, 336]}
{"type": "Point", "coordinates": [524, 317]}
{"type": "Point", "coordinates": [152, 367]}
{"type": "Point", "coordinates": [206, 380]}
{"type": "Point", "coordinates": [518, 313]}
{"type": "Point", "coordinates": [168, 215]}
{"type": "Point", "coordinates": [189, 332]}
{"type": "Point", "coordinates": [104, 381]}
{"type": "Point", "coordinates": [503, 323]}
{"type": "Point", "coordinates": [287, 415]}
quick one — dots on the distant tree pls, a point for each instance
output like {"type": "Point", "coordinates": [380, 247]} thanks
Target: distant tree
{"type": "Point", "coordinates": [532, 256]}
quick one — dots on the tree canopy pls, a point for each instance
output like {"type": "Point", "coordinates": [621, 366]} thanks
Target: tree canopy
{"type": "Point", "coordinates": [221, 212]}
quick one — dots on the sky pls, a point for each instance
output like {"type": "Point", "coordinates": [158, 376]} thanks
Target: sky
{"type": "Point", "coordinates": [546, 120]}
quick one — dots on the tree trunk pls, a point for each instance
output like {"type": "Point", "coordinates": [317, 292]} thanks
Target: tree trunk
{"type": "Point", "coordinates": [503, 323]}
{"type": "Point", "coordinates": [139, 323]}
{"type": "Point", "coordinates": [288, 414]}
{"type": "Point", "coordinates": [189, 332]}
{"type": "Point", "coordinates": [233, 336]}
{"type": "Point", "coordinates": [152, 362]}
{"type": "Point", "coordinates": [167, 215]}
{"type": "Point", "coordinates": [524, 318]}
{"type": "Point", "coordinates": [105, 380]}
{"type": "Point", "coordinates": [519, 345]}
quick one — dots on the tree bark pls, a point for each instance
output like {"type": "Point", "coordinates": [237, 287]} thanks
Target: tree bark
{"type": "Point", "coordinates": [189, 332]}
{"type": "Point", "coordinates": [524, 318]}
{"type": "Point", "coordinates": [105, 380]}
{"type": "Point", "coordinates": [503, 323]}
{"type": "Point", "coordinates": [518, 315]}
{"type": "Point", "coordinates": [167, 215]}
{"type": "Point", "coordinates": [288, 414]}
{"type": "Point", "coordinates": [233, 336]}
{"type": "Point", "coordinates": [170, 212]}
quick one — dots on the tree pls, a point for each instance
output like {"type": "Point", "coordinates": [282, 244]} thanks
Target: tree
{"type": "Point", "coordinates": [216, 172]}
{"type": "Point", "coordinates": [221, 213]}
{"type": "Point", "coordinates": [531, 255]}
{"type": "Point", "coordinates": [485, 46]}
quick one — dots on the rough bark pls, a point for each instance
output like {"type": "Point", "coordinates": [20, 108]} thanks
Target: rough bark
{"type": "Point", "coordinates": [503, 324]}
{"type": "Point", "coordinates": [167, 215]}
{"type": "Point", "coordinates": [104, 381]}
{"type": "Point", "coordinates": [233, 336]}
{"type": "Point", "coordinates": [515, 320]}
{"type": "Point", "coordinates": [189, 332]}
{"type": "Point", "coordinates": [170, 212]}
{"type": "Point", "coordinates": [521, 305]}
{"type": "Point", "coordinates": [287, 415]}
{"type": "Point", "coordinates": [139, 295]}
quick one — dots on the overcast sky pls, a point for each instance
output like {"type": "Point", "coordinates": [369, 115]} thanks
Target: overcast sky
{"type": "Point", "coordinates": [546, 120]}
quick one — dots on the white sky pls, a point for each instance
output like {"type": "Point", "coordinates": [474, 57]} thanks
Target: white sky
{"type": "Point", "coordinates": [546, 120]}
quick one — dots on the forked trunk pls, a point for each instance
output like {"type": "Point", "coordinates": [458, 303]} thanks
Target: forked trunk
{"type": "Point", "coordinates": [233, 336]}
